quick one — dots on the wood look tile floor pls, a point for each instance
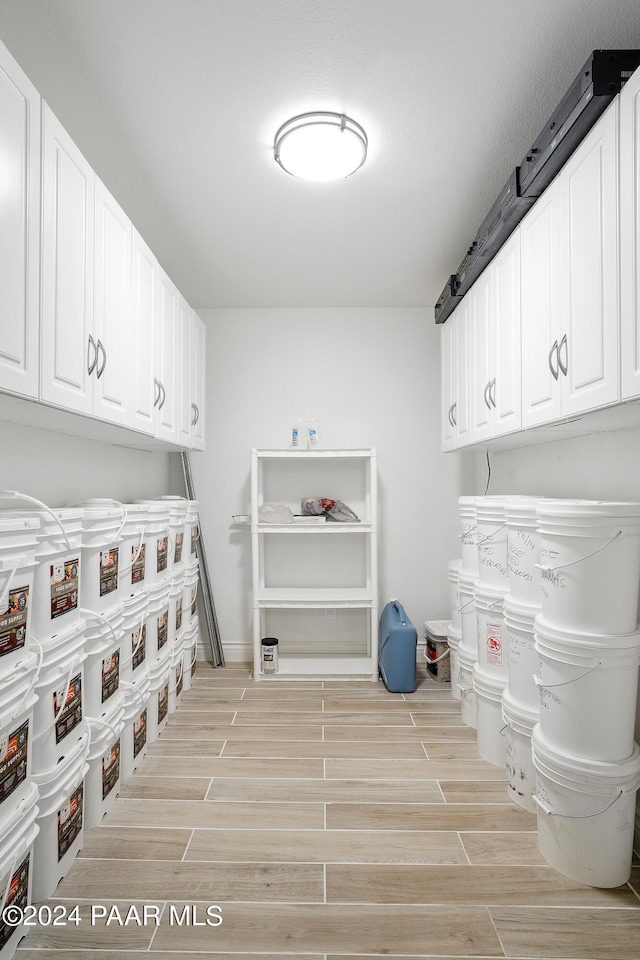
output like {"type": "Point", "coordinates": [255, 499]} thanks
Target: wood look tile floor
{"type": "Point", "coordinates": [325, 821]}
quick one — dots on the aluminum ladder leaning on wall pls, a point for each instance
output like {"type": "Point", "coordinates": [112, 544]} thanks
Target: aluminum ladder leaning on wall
{"type": "Point", "coordinates": [205, 582]}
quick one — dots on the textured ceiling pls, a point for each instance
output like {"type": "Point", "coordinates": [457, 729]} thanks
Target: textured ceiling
{"type": "Point", "coordinates": [175, 104]}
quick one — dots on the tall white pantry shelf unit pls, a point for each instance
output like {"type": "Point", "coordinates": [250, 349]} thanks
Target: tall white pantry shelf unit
{"type": "Point", "coordinates": [315, 585]}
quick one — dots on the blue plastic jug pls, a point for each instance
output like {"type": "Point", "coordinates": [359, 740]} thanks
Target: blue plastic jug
{"type": "Point", "coordinates": [397, 649]}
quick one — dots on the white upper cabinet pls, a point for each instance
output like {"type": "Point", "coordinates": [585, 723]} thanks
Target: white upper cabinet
{"type": "Point", "coordinates": [455, 347]}
{"type": "Point", "coordinates": [630, 236]}
{"type": "Point", "coordinates": [144, 309]}
{"type": "Point", "coordinates": [198, 382]}
{"type": "Point", "coordinates": [167, 360]}
{"type": "Point", "coordinates": [19, 229]}
{"type": "Point", "coordinates": [112, 335]}
{"type": "Point", "coordinates": [481, 365]}
{"type": "Point", "coordinates": [67, 351]}
{"type": "Point", "coordinates": [185, 340]}
{"type": "Point", "coordinates": [588, 347]}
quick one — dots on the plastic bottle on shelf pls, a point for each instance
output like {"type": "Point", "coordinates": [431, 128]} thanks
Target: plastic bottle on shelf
{"type": "Point", "coordinates": [313, 438]}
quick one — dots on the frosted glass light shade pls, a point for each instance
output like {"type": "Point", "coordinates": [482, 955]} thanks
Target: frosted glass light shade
{"type": "Point", "coordinates": [320, 146]}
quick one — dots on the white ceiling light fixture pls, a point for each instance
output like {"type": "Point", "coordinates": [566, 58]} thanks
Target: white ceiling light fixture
{"type": "Point", "coordinates": [320, 146]}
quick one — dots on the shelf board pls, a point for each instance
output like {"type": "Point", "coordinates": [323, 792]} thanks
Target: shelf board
{"type": "Point", "coordinates": [334, 668]}
{"type": "Point", "coordinates": [328, 527]}
{"type": "Point", "coordinates": [315, 454]}
{"type": "Point", "coordinates": [315, 597]}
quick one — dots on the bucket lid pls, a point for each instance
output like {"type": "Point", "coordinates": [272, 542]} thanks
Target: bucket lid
{"type": "Point", "coordinates": [467, 504]}
{"type": "Point", "coordinates": [453, 636]}
{"type": "Point", "coordinates": [492, 687]}
{"type": "Point", "coordinates": [454, 567]}
{"type": "Point", "coordinates": [20, 819]}
{"type": "Point", "coordinates": [515, 608]}
{"type": "Point", "coordinates": [17, 523]}
{"type": "Point", "coordinates": [465, 660]}
{"type": "Point", "coordinates": [467, 581]}
{"type": "Point", "coordinates": [580, 770]}
{"type": "Point", "coordinates": [493, 595]}
{"type": "Point", "coordinates": [585, 643]}
{"type": "Point", "coordinates": [516, 714]}
{"type": "Point", "coordinates": [583, 509]}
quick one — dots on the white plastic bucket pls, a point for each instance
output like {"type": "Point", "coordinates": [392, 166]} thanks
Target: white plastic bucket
{"type": "Point", "coordinates": [454, 639]}
{"type": "Point", "coordinates": [134, 549]}
{"type": "Point", "coordinates": [492, 543]}
{"type": "Point", "coordinates": [101, 553]}
{"type": "Point", "coordinates": [17, 841]}
{"type": "Point", "coordinates": [588, 692]}
{"type": "Point", "coordinates": [468, 616]}
{"type": "Point", "coordinates": [157, 620]}
{"type": "Point", "coordinates": [590, 564]}
{"type": "Point", "coordinates": [134, 630]}
{"type": "Point", "coordinates": [134, 733]}
{"type": "Point", "coordinates": [492, 640]}
{"type": "Point", "coordinates": [468, 704]}
{"type": "Point", "coordinates": [190, 592]}
{"type": "Point", "coordinates": [191, 532]}
{"type": "Point", "coordinates": [519, 621]}
{"type": "Point", "coordinates": [61, 819]}
{"type": "Point", "coordinates": [519, 761]}
{"type": "Point", "coordinates": [17, 570]}
{"type": "Point", "coordinates": [103, 776]}
{"type": "Point", "coordinates": [523, 547]}
{"type": "Point", "coordinates": [189, 654]}
{"type": "Point", "coordinates": [453, 572]}
{"type": "Point", "coordinates": [468, 536]}
{"type": "Point", "coordinates": [58, 714]}
{"type": "Point", "coordinates": [17, 700]}
{"type": "Point", "coordinates": [490, 725]}
{"type": "Point", "coordinates": [585, 814]}
{"type": "Point", "coordinates": [104, 644]}
{"type": "Point", "coordinates": [157, 534]}
{"type": "Point", "coordinates": [158, 698]}
{"type": "Point", "coordinates": [176, 602]}
{"type": "Point", "coordinates": [178, 508]}
{"type": "Point", "coordinates": [176, 674]}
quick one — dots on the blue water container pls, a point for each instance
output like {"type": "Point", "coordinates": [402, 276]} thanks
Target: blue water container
{"type": "Point", "coordinates": [397, 649]}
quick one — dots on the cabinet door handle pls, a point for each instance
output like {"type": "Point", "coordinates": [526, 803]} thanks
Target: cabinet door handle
{"type": "Point", "coordinates": [492, 392]}
{"type": "Point", "coordinates": [564, 366]}
{"type": "Point", "coordinates": [487, 401]}
{"type": "Point", "coordinates": [453, 417]}
{"type": "Point", "coordinates": [156, 387]}
{"type": "Point", "coordinates": [91, 365]}
{"type": "Point", "coordinates": [554, 349]}
{"type": "Point", "coordinates": [100, 370]}
{"type": "Point", "coordinates": [449, 412]}
{"type": "Point", "coordinates": [196, 414]}
{"type": "Point", "coordinates": [163, 394]}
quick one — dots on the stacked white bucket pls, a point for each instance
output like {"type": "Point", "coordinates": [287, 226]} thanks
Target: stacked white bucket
{"type": "Point", "coordinates": [587, 766]}
{"type": "Point", "coordinates": [463, 641]}
{"type": "Point", "coordinates": [18, 674]}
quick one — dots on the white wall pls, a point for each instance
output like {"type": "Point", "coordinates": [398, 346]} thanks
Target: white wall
{"type": "Point", "coordinates": [59, 469]}
{"type": "Point", "coordinates": [370, 377]}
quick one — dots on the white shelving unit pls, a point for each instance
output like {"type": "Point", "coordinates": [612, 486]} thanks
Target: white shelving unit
{"type": "Point", "coordinates": [315, 585]}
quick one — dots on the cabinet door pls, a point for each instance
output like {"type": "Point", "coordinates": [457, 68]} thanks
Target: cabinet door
{"type": "Point", "coordinates": [505, 390]}
{"type": "Point", "coordinates": [462, 433]}
{"type": "Point", "coordinates": [198, 382]}
{"type": "Point", "coordinates": [630, 237]}
{"type": "Point", "coordinates": [540, 308]}
{"type": "Point", "coordinates": [447, 381]}
{"type": "Point", "coordinates": [589, 336]}
{"type": "Point", "coordinates": [167, 354]}
{"type": "Point", "coordinates": [68, 354]}
{"type": "Point", "coordinates": [481, 365]}
{"type": "Point", "coordinates": [19, 229]}
{"type": "Point", "coordinates": [144, 303]}
{"type": "Point", "coordinates": [185, 350]}
{"type": "Point", "coordinates": [112, 312]}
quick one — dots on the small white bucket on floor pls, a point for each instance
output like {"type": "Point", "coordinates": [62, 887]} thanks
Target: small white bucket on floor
{"type": "Point", "coordinates": [490, 725]}
{"type": "Point", "coordinates": [102, 524]}
{"type": "Point", "coordinates": [189, 654]}
{"type": "Point", "coordinates": [158, 698]}
{"type": "Point", "coordinates": [157, 534]}
{"type": "Point", "coordinates": [134, 549]}
{"type": "Point", "coordinates": [17, 701]}
{"type": "Point", "coordinates": [454, 640]}
{"type": "Point", "coordinates": [134, 633]}
{"type": "Point", "coordinates": [468, 536]}
{"type": "Point", "coordinates": [17, 840]}
{"type": "Point", "coordinates": [493, 646]}
{"type": "Point", "coordinates": [590, 564]}
{"type": "Point", "coordinates": [134, 733]}
{"type": "Point", "coordinates": [468, 616]}
{"type": "Point", "coordinates": [519, 761]}
{"type": "Point", "coordinates": [492, 543]}
{"type": "Point", "coordinates": [519, 621]}
{"type": "Point", "coordinates": [103, 644]}
{"type": "Point", "coordinates": [157, 620]}
{"type": "Point", "coordinates": [586, 812]}
{"type": "Point", "coordinates": [523, 548]}
{"type": "Point", "coordinates": [453, 572]}
{"type": "Point", "coordinates": [103, 776]}
{"type": "Point", "coordinates": [588, 691]}
{"type": "Point", "coordinates": [17, 570]}
{"type": "Point", "coordinates": [176, 674]}
{"type": "Point", "coordinates": [58, 713]}
{"type": "Point", "coordinates": [468, 704]}
{"type": "Point", "coordinates": [61, 819]}
{"type": "Point", "coordinates": [176, 602]}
